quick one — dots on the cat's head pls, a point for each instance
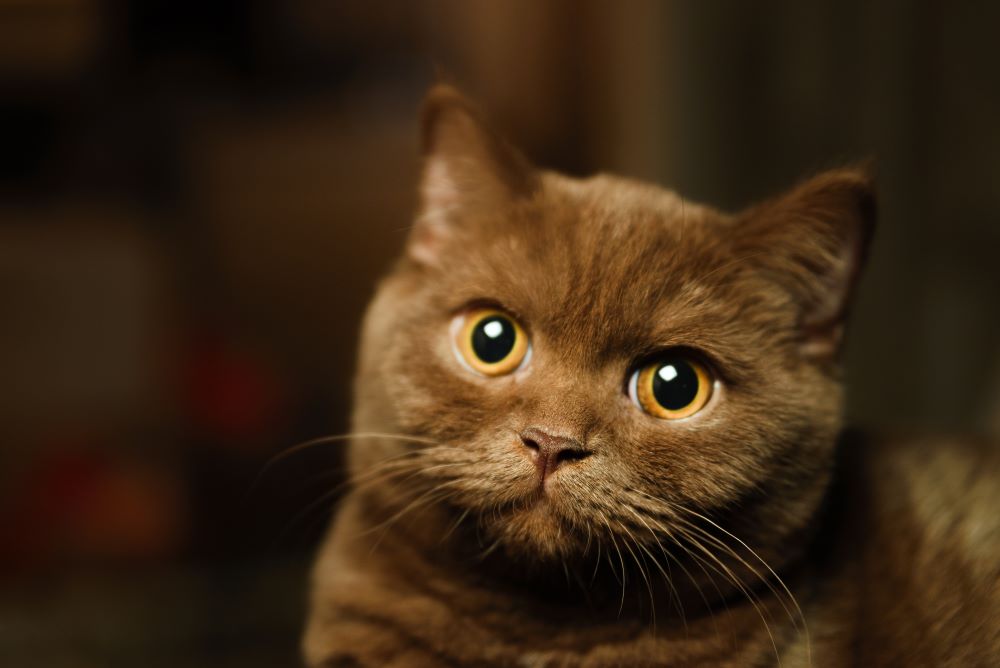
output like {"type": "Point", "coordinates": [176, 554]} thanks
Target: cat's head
{"type": "Point", "coordinates": [580, 358]}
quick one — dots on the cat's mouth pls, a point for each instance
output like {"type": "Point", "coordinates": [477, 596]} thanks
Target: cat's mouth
{"type": "Point", "coordinates": [545, 495]}
{"type": "Point", "coordinates": [537, 528]}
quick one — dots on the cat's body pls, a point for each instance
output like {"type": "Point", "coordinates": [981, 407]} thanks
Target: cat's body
{"type": "Point", "coordinates": [546, 513]}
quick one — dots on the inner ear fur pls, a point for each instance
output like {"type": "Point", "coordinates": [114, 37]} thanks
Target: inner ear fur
{"type": "Point", "coordinates": [813, 242]}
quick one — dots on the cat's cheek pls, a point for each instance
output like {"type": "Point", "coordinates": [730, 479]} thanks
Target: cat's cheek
{"type": "Point", "coordinates": [419, 384]}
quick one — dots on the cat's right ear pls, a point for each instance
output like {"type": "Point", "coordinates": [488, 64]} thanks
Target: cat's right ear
{"type": "Point", "coordinates": [467, 168]}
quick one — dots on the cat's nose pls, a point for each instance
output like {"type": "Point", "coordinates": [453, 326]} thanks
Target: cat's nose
{"type": "Point", "coordinates": [549, 451]}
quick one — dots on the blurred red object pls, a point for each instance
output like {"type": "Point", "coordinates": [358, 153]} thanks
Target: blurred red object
{"type": "Point", "coordinates": [231, 394]}
{"type": "Point", "coordinates": [78, 503]}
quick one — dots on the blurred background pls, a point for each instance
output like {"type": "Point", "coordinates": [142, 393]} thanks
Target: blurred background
{"type": "Point", "coordinates": [197, 197]}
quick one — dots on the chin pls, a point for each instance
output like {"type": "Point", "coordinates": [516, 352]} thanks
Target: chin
{"type": "Point", "coordinates": [537, 532]}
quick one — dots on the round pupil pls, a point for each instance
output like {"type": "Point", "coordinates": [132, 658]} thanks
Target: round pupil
{"type": "Point", "coordinates": [493, 339]}
{"type": "Point", "coordinates": [675, 384]}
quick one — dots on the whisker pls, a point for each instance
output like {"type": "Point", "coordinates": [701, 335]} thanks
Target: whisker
{"type": "Point", "coordinates": [729, 550]}
{"type": "Point", "coordinates": [433, 495]}
{"type": "Point", "coordinates": [614, 543]}
{"type": "Point", "coordinates": [777, 577]}
{"type": "Point", "coordinates": [456, 524]}
{"type": "Point", "coordinates": [747, 593]}
{"type": "Point", "coordinates": [597, 563]}
{"type": "Point", "coordinates": [326, 440]}
{"type": "Point", "coordinates": [701, 562]}
{"type": "Point", "coordinates": [376, 476]}
{"type": "Point", "coordinates": [642, 571]}
{"type": "Point", "coordinates": [728, 572]}
{"type": "Point", "coordinates": [697, 560]}
{"type": "Point", "coordinates": [666, 576]}
{"type": "Point", "coordinates": [779, 595]}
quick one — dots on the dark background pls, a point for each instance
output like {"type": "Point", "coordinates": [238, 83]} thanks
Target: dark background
{"type": "Point", "coordinates": [197, 197]}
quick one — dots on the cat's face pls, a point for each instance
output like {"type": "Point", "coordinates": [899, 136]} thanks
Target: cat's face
{"type": "Point", "coordinates": [597, 358]}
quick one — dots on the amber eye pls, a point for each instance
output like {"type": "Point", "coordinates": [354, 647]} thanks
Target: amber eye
{"type": "Point", "coordinates": [671, 387]}
{"type": "Point", "coordinates": [490, 341]}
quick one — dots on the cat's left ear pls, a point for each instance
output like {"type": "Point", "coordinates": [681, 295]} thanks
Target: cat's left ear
{"type": "Point", "coordinates": [813, 241]}
{"type": "Point", "coordinates": [468, 171]}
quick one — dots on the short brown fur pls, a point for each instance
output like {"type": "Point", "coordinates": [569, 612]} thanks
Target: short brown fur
{"type": "Point", "coordinates": [754, 533]}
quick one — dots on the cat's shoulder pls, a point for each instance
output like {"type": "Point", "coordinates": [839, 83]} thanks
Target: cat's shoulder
{"type": "Point", "coordinates": [939, 489]}
{"type": "Point", "coordinates": [938, 479]}
{"type": "Point", "coordinates": [925, 537]}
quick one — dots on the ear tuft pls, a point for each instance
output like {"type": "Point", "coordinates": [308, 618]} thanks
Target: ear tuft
{"type": "Point", "coordinates": [467, 167]}
{"type": "Point", "coordinates": [813, 241]}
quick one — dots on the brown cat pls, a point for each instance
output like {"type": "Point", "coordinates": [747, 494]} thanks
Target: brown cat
{"type": "Point", "coordinates": [599, 425]}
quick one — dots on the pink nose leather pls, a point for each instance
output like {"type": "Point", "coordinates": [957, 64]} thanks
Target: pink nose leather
{"type": "Point", "coordinates": [550, 452]}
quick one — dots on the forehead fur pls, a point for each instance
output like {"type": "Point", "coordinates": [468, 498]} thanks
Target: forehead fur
{"type": "Point", "coordinates": [608, 266]}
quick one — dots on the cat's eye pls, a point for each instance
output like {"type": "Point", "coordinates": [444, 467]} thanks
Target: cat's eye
{"type": "Point", "coordinates": [671, 387]}
{"type": "Point", "coordinates": [490, 341]}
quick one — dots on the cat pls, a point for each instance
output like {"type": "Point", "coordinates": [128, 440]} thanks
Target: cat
{"type": "Point", "coordinates": [597, 424]}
